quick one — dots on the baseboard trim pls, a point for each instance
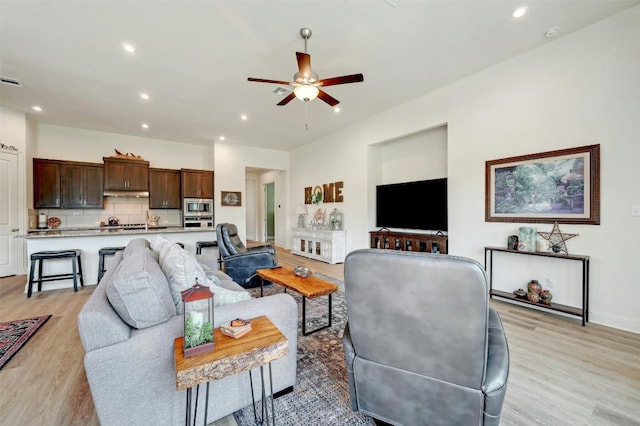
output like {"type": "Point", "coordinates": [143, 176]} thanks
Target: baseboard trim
{"type": "Point", "coordinates": [620, 323]}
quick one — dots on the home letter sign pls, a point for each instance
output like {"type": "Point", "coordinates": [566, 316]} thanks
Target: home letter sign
{"type": "Point", "coordinates": [331, 193]}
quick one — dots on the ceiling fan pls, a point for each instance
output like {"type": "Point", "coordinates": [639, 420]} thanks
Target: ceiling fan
{"type": "Point", "coordinates": [306, 83]}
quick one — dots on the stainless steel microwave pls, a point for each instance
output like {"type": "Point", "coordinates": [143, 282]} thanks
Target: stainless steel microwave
{"type": "Point", "coordinates": [197, 207]}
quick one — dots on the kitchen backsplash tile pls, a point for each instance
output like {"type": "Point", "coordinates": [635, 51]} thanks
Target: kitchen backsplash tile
{"type": "Point", "coordinates": [126, 210]}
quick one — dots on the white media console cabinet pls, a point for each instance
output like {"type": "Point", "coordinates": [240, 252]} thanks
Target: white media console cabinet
{"type": "Point", "coordinates": [320, 244]}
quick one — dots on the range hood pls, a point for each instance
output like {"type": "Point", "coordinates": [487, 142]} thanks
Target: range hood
{"type": "Point", "coordinates": [126, 194]}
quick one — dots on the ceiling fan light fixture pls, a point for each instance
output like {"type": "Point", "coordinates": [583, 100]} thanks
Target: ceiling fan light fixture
{"type": "Point", "coordinates": [306, 93]}
{"type": "Point", "coordinates": [305, 79]}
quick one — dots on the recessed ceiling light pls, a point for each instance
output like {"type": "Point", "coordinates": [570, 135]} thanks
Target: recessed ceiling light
{"type": "Point", "coordinates": [145, 126]}
{"type": "Point", "coordinates": [551, 32]}
{"type": "Point", "coordinates": [336, 109]}
{"type": "Point", "coordinates": [36, 108]}
{"type": "Point", "coordinates": [221, 138]}
{"type": "Point", "coordinates": [519, 12]}
{"type": "Point", "coordinates": [144, 96]}
{"type": "Point", "coordinates": [128, 47]}
{"type": "Point", "coordinates": [244, 117]}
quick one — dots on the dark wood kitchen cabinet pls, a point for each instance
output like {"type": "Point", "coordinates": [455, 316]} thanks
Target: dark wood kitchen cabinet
{"type": "Point", "coordinates": [67, 184]}
{"type": "Point", "coordinates": [46, 183]}
{"type": "Point", "coordinates": [81, 185]}
{"type": "Point", "coordinates": [125, 175]}
{"type": "Point", "coordinates": [197, 183]}
{"type": "Point", "coordinates": [164, 189]}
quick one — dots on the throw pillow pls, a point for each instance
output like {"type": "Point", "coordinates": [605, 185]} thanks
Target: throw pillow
{"type": "Point", "coordinates": [210, 274]}
{"type": "Point", "coordinates": [158, 243]}
{"type": "Point", "coordinates": [162, 254]}
{"type": "Point", "coordinates": [182, 269]}
{"type": "Point", "coordinates": [224, 296]}
{"type": "Point", "coordinates": [136, 242]}
{"type": "Point", "coordinates": [139, 291]}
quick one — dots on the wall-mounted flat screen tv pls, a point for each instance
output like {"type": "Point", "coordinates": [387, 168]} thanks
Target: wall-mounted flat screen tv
{"type": "Point", "coordinates": [413, 205]}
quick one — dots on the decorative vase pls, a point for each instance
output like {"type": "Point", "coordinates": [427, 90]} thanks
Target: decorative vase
{"type": "Point", "coordinates": [545, 297]}
{"type": "Point", "coordinates": [534, 287]}
{"type": "Point", "coordinates": [533, 297]}
{"type": "Point", "coordinates": [527, 237]}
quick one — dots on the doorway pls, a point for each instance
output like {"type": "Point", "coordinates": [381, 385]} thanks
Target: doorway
{"type": "Point", "coordinates": [8, 214]}
{"type": "Point", "coordinates": [269, 213]}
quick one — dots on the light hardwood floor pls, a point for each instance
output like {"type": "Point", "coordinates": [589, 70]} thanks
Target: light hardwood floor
{"type": "Point", "coordinates": [561, 373]}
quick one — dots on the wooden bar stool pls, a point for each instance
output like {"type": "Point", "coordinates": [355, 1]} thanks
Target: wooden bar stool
{"type": "Point", "coordinates": [204, 244]}
{"type": "Point", "coordinates": [105, 251]}
{"type": "Point", "coordinates": [40, 256]}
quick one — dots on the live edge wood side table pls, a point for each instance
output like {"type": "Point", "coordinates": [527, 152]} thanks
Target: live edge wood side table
{"type": "Point", "coordinates": [310, 288]}
{"type": "Point", "coordinates": [263, 344]}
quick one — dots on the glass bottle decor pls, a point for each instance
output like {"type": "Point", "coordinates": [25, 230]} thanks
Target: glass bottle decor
{"type": "Point", "coordinates": [336, 219]}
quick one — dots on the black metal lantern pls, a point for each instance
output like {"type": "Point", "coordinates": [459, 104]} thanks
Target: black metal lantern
{"type": "Point", "coordinates": [198, 320]}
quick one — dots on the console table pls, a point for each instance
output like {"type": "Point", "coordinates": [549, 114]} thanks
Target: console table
{"type": "Point", "coordinates": [263, 344]}
{"type": "Point", "coordinates": [582, 311]}
{"type": "Point", "coordinates": [320, 244]}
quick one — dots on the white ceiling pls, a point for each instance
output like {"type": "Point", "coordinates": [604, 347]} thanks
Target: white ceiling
{"type": "Point", "coordinates": [193, 58]}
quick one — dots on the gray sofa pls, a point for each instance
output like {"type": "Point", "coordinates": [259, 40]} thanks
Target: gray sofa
{"type": "Point", "coordinates": [131, 370]}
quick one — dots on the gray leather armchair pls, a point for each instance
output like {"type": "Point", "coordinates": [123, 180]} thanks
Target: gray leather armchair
{"type": "Point", "coordinates": [240, 262]}
{"type": "Point", "coordinates": [422, 345]}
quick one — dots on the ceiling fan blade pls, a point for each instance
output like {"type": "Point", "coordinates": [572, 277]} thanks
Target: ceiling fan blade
{"type": "Point", "coordinates": [353, 78]}
{"type": "Point", "coordinates": [262, 80]}
{"type": "Point", "coordinates": [304, 64]}
{"type": "Point", "coordinates": [328, 98]}
{"type": "Point", "coordinates": [287, 99]}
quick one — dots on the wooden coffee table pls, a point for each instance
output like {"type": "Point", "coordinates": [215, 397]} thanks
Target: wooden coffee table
{"type": "Point", "coordinates": [310, 288]}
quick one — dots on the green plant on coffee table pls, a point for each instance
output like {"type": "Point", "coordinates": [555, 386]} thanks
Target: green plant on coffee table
{"type": "Point", "coordinates": [196, 335]}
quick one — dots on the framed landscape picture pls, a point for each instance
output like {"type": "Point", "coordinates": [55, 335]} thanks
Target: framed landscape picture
{"type": "Point", "coordinates": [556, 186]}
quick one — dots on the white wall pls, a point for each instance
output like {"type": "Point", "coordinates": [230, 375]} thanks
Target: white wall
{"type": "Point", "coordinates": [66, 143]}
{"type": "Point", "coordinates": [414, 157]}
{"type": "Point", "coordinates": [577, 90]}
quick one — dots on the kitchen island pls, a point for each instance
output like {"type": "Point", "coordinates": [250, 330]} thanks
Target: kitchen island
{"type": "Point", "coordinates": [91, 240]}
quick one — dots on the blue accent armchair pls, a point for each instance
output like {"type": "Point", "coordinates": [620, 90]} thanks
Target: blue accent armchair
{"type": "Point", "coordinates": [422, 345]}
{"type": "Point", "coordinates": [240, 262]}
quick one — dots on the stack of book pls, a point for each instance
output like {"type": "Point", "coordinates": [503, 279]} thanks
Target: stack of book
{"type": "Point", "coordinates": [236, 328]}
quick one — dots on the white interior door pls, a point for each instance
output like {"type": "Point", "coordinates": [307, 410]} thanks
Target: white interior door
{"type": "Point", "coordinates": [8, 214]}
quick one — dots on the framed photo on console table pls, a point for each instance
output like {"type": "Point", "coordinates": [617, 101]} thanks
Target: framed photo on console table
{"type": "Point", "coordinates": [556, 186]}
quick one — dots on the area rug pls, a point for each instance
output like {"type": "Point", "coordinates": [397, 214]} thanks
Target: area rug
{"type": "Point", "coordinates": [15, 334]}
{"type": "Point", "coordinates": [321, 392]}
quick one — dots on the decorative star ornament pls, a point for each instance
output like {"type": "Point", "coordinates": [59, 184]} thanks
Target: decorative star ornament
{"type": "Point", "coordinates": [557, 239]}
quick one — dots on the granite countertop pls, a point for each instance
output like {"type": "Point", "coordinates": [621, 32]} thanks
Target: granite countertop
{"type": "Point", "coordinates": [90, 232]}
